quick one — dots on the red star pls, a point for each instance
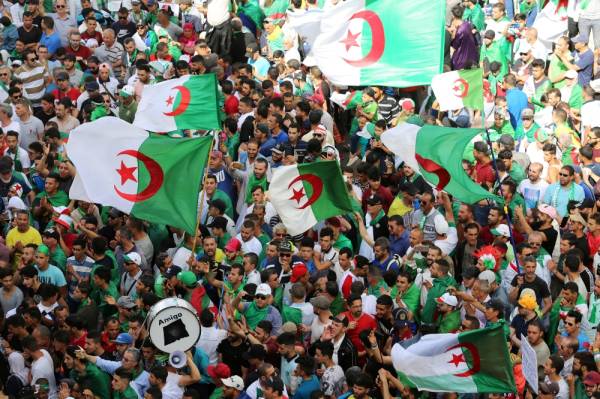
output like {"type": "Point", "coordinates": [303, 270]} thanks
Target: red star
{"type": "Point", "coordinates": [298, 195]}
{"type": "Point", "coordinates": [126, 173]}
{"type": "Point", "coordinates": [170, 100]}
{"type": "Point", "coordinates": [457, 359]}
{"type": "Point", "coordinates": [350, 40]}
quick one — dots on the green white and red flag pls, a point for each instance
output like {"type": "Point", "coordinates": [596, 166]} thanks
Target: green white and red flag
{"type": "Point", "coordinates": [307, 193]}
{"type": "Point", "coordinates": [189, 102]}
{"type": "Point", "coordinates": [458, 89]}
{"type": "Point", "coordinates": [150, 176]}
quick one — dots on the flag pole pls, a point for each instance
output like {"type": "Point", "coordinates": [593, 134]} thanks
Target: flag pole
{"type": "Point", "coordinates": [508, 219]}
{"type": "Point", "coordinates": [200, 206]}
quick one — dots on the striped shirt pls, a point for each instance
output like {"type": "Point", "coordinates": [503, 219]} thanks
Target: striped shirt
{"type": "Point", "coordinates": [34, 81]}
{"type": "Point", "coordinates": [388, 109]}
{"type": "Point", "coordinates": [111, 55]}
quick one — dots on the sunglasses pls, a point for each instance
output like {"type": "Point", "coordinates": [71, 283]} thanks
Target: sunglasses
{"type": "Point", "coordinates": [60, 6]}
{"type": "Point", "coordinates": [262, 297]}
{"type": "Point", "coordinates": [285, 255]}
{"type": "Point", "coordinates": [32, 59]}
{"type": "Point", "coordinates": [568, 323]}
{"type": "Point", "coordinates": [3, 74]}
{"type": "Point", "coordinates": [564, 174]}
{"type": "Point", "coordinates": [424, 202]}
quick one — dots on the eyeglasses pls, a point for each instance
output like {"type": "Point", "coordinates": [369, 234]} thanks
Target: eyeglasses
{"type": "Point", "coordinates": [3, 74]}
{"type": "Point", "coordinates": [262, 297]}
{"type": "Point", "coordinates": [32, 59]}
{"type": "Point", "coordinates": [564, 174]}
{"type": "Point", "coordinates": [17, 97]}
{"type": "Point", "coordinates": [60, 6]}
{"type": "Point", "coordinates": [523, 53]}
{"type": "Point", "coordinates": [569, 323]}
{"type": "Point", "coordinates": [285, 255]}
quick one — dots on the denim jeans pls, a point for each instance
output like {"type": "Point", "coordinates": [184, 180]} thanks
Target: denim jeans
{"type": "Point", "coordinates": [588, 25]}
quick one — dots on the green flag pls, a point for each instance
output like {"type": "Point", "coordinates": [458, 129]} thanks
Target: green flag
{"type": "Point", "coordinates": [458, 89]}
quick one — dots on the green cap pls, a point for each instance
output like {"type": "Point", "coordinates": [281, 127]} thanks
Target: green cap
{"type": "Point", "coordinates": [42, 249]}
{"type": "Point", "coordinates": [188, 278]}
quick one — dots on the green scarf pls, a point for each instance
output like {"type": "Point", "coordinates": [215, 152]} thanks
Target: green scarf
{"type": "Point", "coordinates": [253, 182]}
{"type": "Point", "coordinates": [59, 199]}
{"type": "Point", "coordinates": [254, 315]}
{"type": "Point", "coordinates": [376, 219]}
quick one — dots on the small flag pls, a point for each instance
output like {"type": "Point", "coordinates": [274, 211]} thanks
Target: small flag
{"type": "Point", "coordinates": [306, 193]}
{"type": "Point", "coordinates": [150, 176]}
{"type": "Point", "coordinates": [190, 102]}
{"type": "Point", "coordinates": [458, 89]}
{"type": "Point", "coordinates": [470, 362]}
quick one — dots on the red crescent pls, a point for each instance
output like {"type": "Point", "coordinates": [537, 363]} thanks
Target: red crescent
{"type": "Point", "coordinates": [465, 88]}
{"type": "Point", "coordinates": [432, 167]}
{"type": "Point", "coordinates": [476, 360]}
{"type": "Point", "coordinates": [183, 104]}
{"type": "Point", "coordinates": [377, 39]}
{"type": "Point", "coordinates": [316, 183]}
{"type": "Point", "coordinates": [156, 177]}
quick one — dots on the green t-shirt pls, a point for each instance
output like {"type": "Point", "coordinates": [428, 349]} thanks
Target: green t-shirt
{"type": "Point", "coordinates": [337, 305]}
{"type": "Point", "coordinates": [129, 393]}
{"type": "Point", "coordinates": [342, 242]}
{"type": "Point", "coordinates": [59, 259]}
{"type": "Point", "coordinates": [556, 68]}
{"type": "Point", "coordinates": [517, 173]}
{"type": "Point", "coordinates": [450, 322]}
{"type": "Point", "coordinates": [225, 198]}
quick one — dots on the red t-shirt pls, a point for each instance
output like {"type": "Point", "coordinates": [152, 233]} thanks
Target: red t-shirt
{"type": "Point", "coordinates": [485, 173]}
{"type": "Point", "coordinates": [83, 52]}
{"type": "Point", "coordinates": [383, 192]}
{"type": "Point", "coordinates": [364, 322]}
{"type": "Point", "coordinates": [73, 94]}
{"type": "Point", "coordinates": [97, 35]}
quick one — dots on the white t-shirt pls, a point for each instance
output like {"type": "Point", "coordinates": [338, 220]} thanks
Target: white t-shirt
{"type": "Point", "coordinates": [590, 114]}
{"type": "Point", "coordinates": [252, 245]}
{"type": "Point", "coordinates": [217, 12]}
{"type": "Point", "coordinates": [172, 389]}
{"type": "Point", "coordinates": [308, 313]}
{"type": "Point", "coordinates": [317, 328]}
{"type": "Point", "coordinates": [210, 338]}
{"type": "Point", "coordinates": [44, 368]}
{"type": "Point", "coordinates": [532, 192]}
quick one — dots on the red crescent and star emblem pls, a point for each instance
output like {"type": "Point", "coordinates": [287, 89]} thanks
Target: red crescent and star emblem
{"type": "Point", "coordinates": [297, 194]}
{"type": "Point", "coordinates": [460, 88]}
{"type": "Point", "coordinates": [430, 166]}
{"type": "Point", "coordinates": [458, 358]}
{"type": "Point", "coordinates": [377, 39]}
{"type": "Point", "coordinates": [126, 173]}
{"type": "Point", "coordinates": [184, 101]}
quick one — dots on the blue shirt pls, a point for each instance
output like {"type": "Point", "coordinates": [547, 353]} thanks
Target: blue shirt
{"type": "Point", "coordinates": [399, 245]}
{"type": "Point", "coordinates": [52, 42]}
{"type": "Point", "coordinates": [52, 275]}
{"type": "Point", "coordinates": [585, 62]}
{"type": "Point", "coordinates": [282, 137]}
{"type": "Point", "coordinates": [559, 197]}
{"type": "Point", "coordinates": [265, 148]}
{"type": "Point", "coordinates": [388, 263]}
{"type": "Point", "coordinates": [9, 37]}
{"type": "Point", "coordinates": [307, 387]}
{"type": "Point", "coordinates": [517, 102]}
{"type": "Point", "coordinates": [261, 65]}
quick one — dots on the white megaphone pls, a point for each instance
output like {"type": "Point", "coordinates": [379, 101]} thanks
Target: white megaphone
{"type": "Point", "coordinates": [177, 359]}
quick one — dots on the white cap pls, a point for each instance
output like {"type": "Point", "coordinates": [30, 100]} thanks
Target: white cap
{"type": "Point", "coordinates": [133, 257]}
{"type": "Point", "coordinates": [488, 276]}
{"type": "Point", "coordinates": [595, 85]}
{"type": "Point", "coordinates": [234, 382]}
{"type": "Point", "coordinates": [501, 230]}
{"type": "Point", "coordinates": [441, 225]}
{"type": "Point", "coordinates": [263, 289]}
{"type": "Point", "coordinates": [524, 47]}
{"type": "Point", "coordinates": [448, 299]}
{"type": "Point", "coordinates": [127, 91]}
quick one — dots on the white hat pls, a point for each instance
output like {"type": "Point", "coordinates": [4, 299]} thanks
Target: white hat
{"type": "Point", "coordinates": [65, 221]}
{"type": "Point", "coordinates": [441, 225]}
{"type": "Point", "coordinates": [133, 257]}
{"type": "Point", "coordinates": [448, 299]}
{"type": "Point", "coordinates": [234, 382]}
{"type": "Point", "coordinates": [488, 276]}
{"type": "Point", "coordinates": [501, 230]}
{"type": "Point", "coordinates": [16, 203]}
{"type": "Point", "coordinates": [127, 91]}
{"type": "Point", "coordinates": [524, 47]}
{"type": "Point", "coordinates": [595, 85]}
{"type": "Point", "coordinates": [263, 289]}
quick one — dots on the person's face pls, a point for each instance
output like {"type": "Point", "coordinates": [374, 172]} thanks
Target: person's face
{"type": "Point", "coordinates": [235, 276]}
{"type": "Point", "coordinates": [537, 72]}
{"type": "Point", "coordinates": [147, 353]}
{"type": "Point", "coordinates": [414, 238]}
{"type": "Point", "coordinates": [382, 311]}
{"type": "Point", "coordinates": [112, 329]}
{"type": "Point", "coordinates": [210, 185]}
{"type": "Point", "coordinates": [288, 103]}
{"type": "Point", "coordinates": [7, 283]}
{"type": "Point", "coordinates": [432, 256]}
{"type": "Point", "coordinates": [590, 389]}
{"type": "Point", "coordinates": [119, 384]}
{"type": "Point", "coordinates": [325, 243]}
{"type": "Point", "coordinates": [493, 217]}
{"type": "Point", "coordinates": [210, 246]}
{"type": "Point", "coordinates": [548, 367]}
{"type": "Point", "coordinates": [68, 361]}
{"type": "Point", "coordinates": [571, 326]}
{"type": "Point", "coordinates": [564, 177]}
{"type": "Point", "coordinates": [344, 259]}
{"type": "Point", "coordinates": [41, 259]}
{"type": "Point", "coordinates": [356, 308]}
{"type": "Point", "coordinates": [91, 25]}
{"type": "Point", "coordinates": [27, 21]}
{"type": "Point", "coordinates": [497, 13]}
{"type": "Point", "coordinates": [529, 269]}
{"type": "Point", "coordinates": [359, 392]}
{"type": "Point", "coordinates": [553, 99]}
{"type": "Point", "coordinates": [51, 185]}
{"type": "Point", "coordinates": [490, 314]}
{"type": "Point", "coordinates": [534, 335]}
{"type": "Point", "coordinates": [12, 142]}
{"type": "Point", "coordinates": [402, 283]}
{"type": "Point", "coordinates": [108, 38]}
{"type": "Point", "coordinates": [380, 253]}
{"type": "Point", "coordinates": [61, 7]}
{"type": "Point", "coordinates": [31, 60]}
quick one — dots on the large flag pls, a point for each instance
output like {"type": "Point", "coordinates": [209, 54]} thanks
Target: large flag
{"type": "Point", "coordinates": [458, 89]}
{"type": "Point", "coordinates": [306, 193]}
{"type": "Point", "coordinates": [190, 102]}
{"type": "Point", "coordinates": [437, 153]}
{"type": "Point", "coordinates": [470, 362]}
{"type": "Point", "coordinates": [380, 42]}
{"type": "Point", "coordinates": [149, 176]}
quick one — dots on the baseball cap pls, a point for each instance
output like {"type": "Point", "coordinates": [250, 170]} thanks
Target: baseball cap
{"type": "Point", "coordinates": [51, 233]}
{"type": "Point", "coordinates": [263, 289]}
{"type": "Point", "coordinates": [124, 338]}
{"type": "Point", "coordinates": [188, 278]}
{"type": "Point", "coordinates": [5, 164]}
{"type": "Point", "coordinates": [219, 204]}
{"type": "Point", "coordinates": [528, 302]}
{"type": "Point", "coordinates": [320, 302]}
{"type": "Point", "coordinates": [278, 149]}
{"type": "Point", "coordinates": [407, 104]}
{"type": "Point", "coordinates": [65, 221]}
{"type": "Point", "coordinates": [470, 272]}
{"type": "Point", "coordinates": [219, 222]}
{"type": "Point", "coordinates": [256, 351]}
{"type": "Point", "coordinates": [263, 128]}
{"type": "Point", "coordinates": [317, 98]}
{"type": "Point", "coordinates": [298, 272]}
{"type": "Point", "coordinates": [549, 388]}
{"type": "Point", "coordinates": [448, 299]}
{"type": "Point", "coordinates": [441, 225]}
{"type": "Point", "coordinates": [576, 217]}
{"type": "Point", "coordinates": [132, 257]}
{"type": "Point", "coordinates": [501, 230]}
{"type": "Point", "coordinates": [216, 154]}
{"type": "Point", "coordinates": [580, 39]}
{"type": "Point", "coordinates": [548, 210]}
{"type": "Point", "coordinates": [126, 91]}
{"type": "Point", "coordinates": [151, 2]}
{"type": "Point", "coordinates": [172, 271]}
{"type": "Point", "coordinates": [233, 245]}
{"type": "Point", "coordinates": [495, 304]}
{"type": "Point", "coordinates": [592, 378]}
{"type": "Point", "coordinates": [91, 86]}
{"type": "Point", "coordinates": [526, 113]}
{"type": "Point", "coordinates": [220, 370]}
{"type": "Point", "coordinates": [234, 382]}
{"type": "Point", "coordinates": [285, 246]}
{"type": "Point", "coordinates": [253, 47]}
{"type": "Point", "coordinates": [374, 200]}
{"type": "Point", "coordinates": [507, 140]}
{"type": "Point", "coordinates": [488, 276]}
{"type": "Point", "coordinates": [136, 2]}
{"type": "Point", "coordinates": [126, 302]}
{"type": "Point", "coordinates": [43, 249]}
{"type": "Point", "coordinates": [62, 76]}
{"type": "Point", "coordinates": [333, 221]}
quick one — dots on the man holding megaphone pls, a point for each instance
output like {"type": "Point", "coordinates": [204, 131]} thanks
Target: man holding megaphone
{"type": "Point", "coordinates": [169, 381]}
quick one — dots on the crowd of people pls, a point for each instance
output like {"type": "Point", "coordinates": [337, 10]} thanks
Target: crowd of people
{"type": "Point", "coordinates": [313, 315]}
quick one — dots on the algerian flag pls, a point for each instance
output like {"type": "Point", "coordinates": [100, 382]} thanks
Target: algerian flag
{"type": "Point", "coordinates": [381, 42]}
{"type": "Point", "coordinates": [150, 176]}
{"type": "Point", "coordinates": [458, 89]}
{"type": "Point", "coordinates": [437, 153]}
{"type": "Point", "coordinates": [190, 102]}
{"type": "Point", "coordinates": [307, 193]}
{"type": "Point", "coordinates": [348, 100]}
{"type": "Point", "coordinates": [470, 362]}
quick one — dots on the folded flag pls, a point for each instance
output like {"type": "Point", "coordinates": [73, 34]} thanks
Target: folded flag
{"type": "Point", "coordinates": [149, 176]}
{"type": "Point", "coordinates": [306, 193]}
{"type": "Point", "coordinates": [361, 42]}
{"type": "Point", "coordinates": [470, 362]}
{"type": "Point", "coordinates": [458, 89]}
{"type": "Point", "coordinates": [190, 102]}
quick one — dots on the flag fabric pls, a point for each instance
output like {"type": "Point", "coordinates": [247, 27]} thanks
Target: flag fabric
{"type": "Point", "coordinates": [458, 89]}
{"type": "Point", "coordinates": [306, 193]}
{"type": "Point", "coordinates": [361, 42]}
{"type": "Point", "coordinates": [348, 100]}
{"type": "Point", "coordinates": [402, 141]}
{"type": "Point", "coordinates": [150, 176]}
{"type": "Point", "coordinates": [470, 362]}
{"type": "Point", "coordinates": [190, 102]}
